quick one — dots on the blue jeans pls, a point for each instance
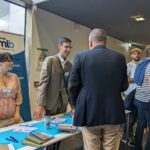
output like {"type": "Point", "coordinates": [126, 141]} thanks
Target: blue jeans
{"type": "Point", "coordinates": [143, 120]}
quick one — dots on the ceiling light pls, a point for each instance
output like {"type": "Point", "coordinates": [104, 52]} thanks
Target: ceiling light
{"type": "Point", "coordinates": [138, 18]}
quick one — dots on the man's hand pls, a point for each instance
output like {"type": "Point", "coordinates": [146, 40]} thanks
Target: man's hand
{"type": "Point", "coordinates": [39, 113]}
{"type": "Point", "coordinates": [130, 80]}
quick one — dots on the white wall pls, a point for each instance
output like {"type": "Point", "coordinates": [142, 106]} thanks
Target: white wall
{"type": "Point", "coordinates": [51, 27]}
{"type": "Point", "coordinates": [119, 46]}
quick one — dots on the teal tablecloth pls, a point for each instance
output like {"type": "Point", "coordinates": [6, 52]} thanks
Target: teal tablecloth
{"type": "Point", "coordinates": [21, 136]}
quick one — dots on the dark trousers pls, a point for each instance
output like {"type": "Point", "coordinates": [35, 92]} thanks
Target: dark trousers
{"type": "Point", "coordinates": [54, 146]}
{"type": "Point", "coordinates": [133, 119]}
{"type": "Point", "coordinates": [143, 120]}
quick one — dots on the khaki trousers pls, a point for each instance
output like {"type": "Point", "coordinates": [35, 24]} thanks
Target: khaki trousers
{"type": "Point", "coordinates": [106, 137]}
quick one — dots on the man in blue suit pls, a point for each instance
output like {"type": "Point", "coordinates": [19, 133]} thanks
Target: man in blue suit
{"type": "Point", "coordinates": [97, 79]}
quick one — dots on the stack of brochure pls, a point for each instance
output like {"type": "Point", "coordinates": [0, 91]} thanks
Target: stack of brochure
{"type": "Point", "coordinates": [37, 139]}
{"type": "Point", "coordinates": [24, 128]}
{"type": "Point", "coordinates": [67, 127]}
{"type": "Point", "coordinates": [58, 120]}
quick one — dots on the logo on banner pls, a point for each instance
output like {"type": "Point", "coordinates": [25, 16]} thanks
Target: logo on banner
{"type": "Point", "coordinates": [6, 44]}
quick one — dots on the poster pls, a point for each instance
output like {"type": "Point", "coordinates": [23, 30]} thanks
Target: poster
{"type": "Point", "coordinates": [42, 53]}
{"type": "Point", "coordinates": [14, 44]}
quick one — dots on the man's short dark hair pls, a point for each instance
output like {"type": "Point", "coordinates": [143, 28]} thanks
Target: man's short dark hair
{"type": "Point", "coordinates": [63, 40]}
{"type": "Point", "coordinates": [5, 57]}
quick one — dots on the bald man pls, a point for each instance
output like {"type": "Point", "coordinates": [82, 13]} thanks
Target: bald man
{"type": "Point", "coordinates": [97, 79]}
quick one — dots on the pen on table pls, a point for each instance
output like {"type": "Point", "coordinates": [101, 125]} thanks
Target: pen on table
{"type": "Point", "coordinates": [14, 139]}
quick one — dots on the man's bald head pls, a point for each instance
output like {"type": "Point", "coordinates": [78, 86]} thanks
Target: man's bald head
{"type": "Point", "coordinates": [97, 37]}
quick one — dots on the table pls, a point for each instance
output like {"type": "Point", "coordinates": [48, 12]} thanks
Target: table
{"type": "Point", "coordinates": [58, 134]}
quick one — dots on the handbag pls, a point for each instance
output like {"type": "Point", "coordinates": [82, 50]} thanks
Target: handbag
{"type": "Point", "coordinates": [129, 101]}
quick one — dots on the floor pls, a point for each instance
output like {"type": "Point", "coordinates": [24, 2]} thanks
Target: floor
{"type": "Point", "coordinates": [73, 143]}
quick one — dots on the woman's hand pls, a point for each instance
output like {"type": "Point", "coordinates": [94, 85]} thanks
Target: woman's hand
{"type": "Point", "coordinates": [17, 118]}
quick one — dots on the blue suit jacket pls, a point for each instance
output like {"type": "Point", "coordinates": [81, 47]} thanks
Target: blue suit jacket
{"type": "Point", "coordinates": [96, 81]}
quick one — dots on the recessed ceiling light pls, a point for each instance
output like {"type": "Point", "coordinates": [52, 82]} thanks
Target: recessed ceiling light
{"type": "Point", "coordinates": [138, 18]}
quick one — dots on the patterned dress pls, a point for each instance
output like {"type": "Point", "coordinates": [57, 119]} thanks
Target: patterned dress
{"type": "Point", "coordinates": [10, 97]}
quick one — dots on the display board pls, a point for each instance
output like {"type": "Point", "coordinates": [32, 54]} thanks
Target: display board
{"type": "Point", "coordinates": [14, 44]}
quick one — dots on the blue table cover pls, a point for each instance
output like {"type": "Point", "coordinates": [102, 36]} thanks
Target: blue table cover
{"type": "Point", "coordinates": [40, 125]}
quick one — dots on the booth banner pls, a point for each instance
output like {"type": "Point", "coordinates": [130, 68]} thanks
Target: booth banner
{"type": "Point", "coordinates": [11, 42]}
{"type": "Point", "coordinates": [14, 44]}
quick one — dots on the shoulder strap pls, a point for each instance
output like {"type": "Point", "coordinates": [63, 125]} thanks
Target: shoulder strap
{"type": "Point", "coordinates": [60, 63]}
{"type": "Point", "coordinates": [62, 71]}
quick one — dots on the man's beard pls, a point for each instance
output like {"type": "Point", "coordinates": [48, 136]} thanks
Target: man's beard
{"type": "Point", "coordinates": [136, 59]}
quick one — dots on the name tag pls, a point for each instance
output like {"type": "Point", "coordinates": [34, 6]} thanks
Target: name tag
{"type": "Point", "coordinates": [66, 74]}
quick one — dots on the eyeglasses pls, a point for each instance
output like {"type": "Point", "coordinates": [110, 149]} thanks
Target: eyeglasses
{"type": "Point", "coordinates": [68, 47]}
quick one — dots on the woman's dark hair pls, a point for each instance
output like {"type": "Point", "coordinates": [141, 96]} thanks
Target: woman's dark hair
{"type": "Point", "coordinates": [5, 57]}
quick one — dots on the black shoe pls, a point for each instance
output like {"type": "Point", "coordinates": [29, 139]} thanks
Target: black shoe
{"type": "Point", "coordinates": [132, 141]}
{"type": "Point", "coordinates": [124, 140]}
